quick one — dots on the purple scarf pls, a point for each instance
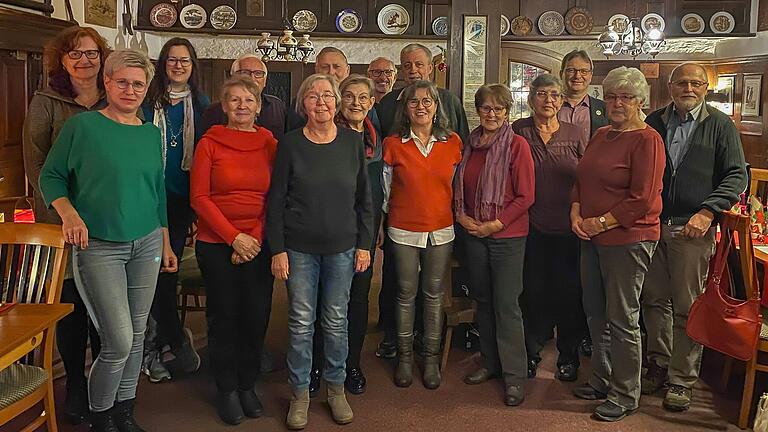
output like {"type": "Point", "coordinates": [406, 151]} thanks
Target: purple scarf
{"type": "Point", "coordinates": [492, 183]}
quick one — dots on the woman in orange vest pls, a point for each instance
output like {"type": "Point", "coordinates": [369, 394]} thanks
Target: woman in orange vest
{"type": "Point", "coordinates": [420, 160]}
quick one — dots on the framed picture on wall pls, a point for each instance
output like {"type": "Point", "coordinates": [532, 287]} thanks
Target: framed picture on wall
{"type": "Point", "coordinates": [721, 97]}
{"type": "Point", "coordinates": [751, 100]}
{"type": "Point", "coordinates": [647, 103]}
{"type": "Point", "coordinates": [596, 91]}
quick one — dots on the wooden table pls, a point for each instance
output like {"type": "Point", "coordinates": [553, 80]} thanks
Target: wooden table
{"type": "Point", "coordinates": [22, 327]}
{"type": "Point", "coordinates": [760, 255]}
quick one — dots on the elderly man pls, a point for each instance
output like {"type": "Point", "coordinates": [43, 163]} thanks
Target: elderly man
{"type": "Point", "coordinates": [704, 176]}
{"type": "Point", "coordinates": [416, 63]}
{"type": "Point", "coordinates": [384, 74]}
{"type": "Point", "coordinates": [332, 61]}
{"type": "Point", "coordinates": [273, 112]}
{"type": "Point", "coordinates": [578, 107]}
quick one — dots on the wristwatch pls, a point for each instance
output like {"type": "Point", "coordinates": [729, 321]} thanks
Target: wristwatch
{"type": "Point", "coordinates": [602, 221]}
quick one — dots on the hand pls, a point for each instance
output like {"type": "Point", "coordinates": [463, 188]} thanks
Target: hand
{"type": "Point", "coordinates": [486, 228]}
{"type": "Point", "coordinates": [362, 260]}
{"type": "Point", "coordinates": [280, 268]}
{"type": "Point", "coordinates": [467, 222]}
{"type": "Point", "coordinates": [380, 237]}
{"type": "Point", "coordinates": [74, 230]}
{"type": "Point", "coordinates": [238, 259]}
{"type": "Point", "coordinates": [591, 226]}
{"type": "Point", "coordinates": [698, 224]}
{"type": "Point", "coordinates": [247, 246]}
{"type": "Point", "coordinates": [170, 262]}
{"type": "Point", "coordinates": [576, 222]}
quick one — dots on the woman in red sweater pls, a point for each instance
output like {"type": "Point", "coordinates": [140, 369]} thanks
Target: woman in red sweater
{"type": "Point", "coordinates": [419, 165]}
{"type": "Point", "coordinates": [229, 182]}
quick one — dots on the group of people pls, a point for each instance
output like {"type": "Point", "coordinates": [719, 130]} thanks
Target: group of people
{"type": "Point", "coordinates": [573, 220]}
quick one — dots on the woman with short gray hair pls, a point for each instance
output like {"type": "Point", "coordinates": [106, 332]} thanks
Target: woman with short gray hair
{"type": "Point", "coordinates": [104, 176]}
{"type": "Point", "coordinates": [615, 209]}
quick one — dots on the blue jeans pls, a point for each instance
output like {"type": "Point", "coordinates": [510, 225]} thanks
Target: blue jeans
{"type": "Point", "coordinates": [335, 272]}
{"type": "Point", "coordinates": [117, 283]}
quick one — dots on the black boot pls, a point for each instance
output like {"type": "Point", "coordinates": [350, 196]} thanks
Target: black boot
{"type": "Point", "coordinates": [250, 403]}
{"type": "Point", "coordinates": [103, 421]}
{"type": "Point", "coordinates": [76, 403]}
{"type": "Point", "coordinates": [404, 372]}
{"type": "Point", "coordinates": [123, 416]}
{"type": "Point", "coordinates": [228, 407]}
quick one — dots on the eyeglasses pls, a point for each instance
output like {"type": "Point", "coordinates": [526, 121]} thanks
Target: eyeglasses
{"type": "Point", "coordinates": [685, 84]}
{"type": "Point", "coordinates": [89, 54]}
{"type": "Point", "coordinates": [426, 102]}
{"type": "Point", "coordinates": [138, 86]}
{"type": "Point", "coordinates": [254, 73]}
{"type": "Point", "coordinates": [349, 98]}
{"type": "Point", "coordinates": [623, 98]}
{"type": "Point", "coordinates": [378, 72]}
{"type": "Point", "coordinates": [548, 95]}
{"type": "Point", "coordinates": [184, 61]}
{"type": "Point", "coordinates": [314, 98]}
{"type": "Point", "coordinates": [487, 109]}
{"type": "Point", "coordinates": [574, 71]}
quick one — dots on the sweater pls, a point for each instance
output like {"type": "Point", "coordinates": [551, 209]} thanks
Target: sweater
{"type": "Point", "coordinates": [112, 173]}
{"type": "Point", "coordinates": [712, 172]}
{"type": "Point", "coordinates": [621, 173]}
{"type": "Point", "coordinates": [229, 182]}
{"type": "Point", "coordinates": [319, 201]}
{"type": "Point", "coordinates": [457, 118]}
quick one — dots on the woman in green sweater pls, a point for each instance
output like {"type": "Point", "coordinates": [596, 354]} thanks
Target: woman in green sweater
{"type": "Point", "coordinates": [104, 177]}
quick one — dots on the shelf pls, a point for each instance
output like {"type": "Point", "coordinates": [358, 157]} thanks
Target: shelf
{"type": "Point", "coordinates": [243, 32]}
{"type": "Point", "coordinates": [542, 38]}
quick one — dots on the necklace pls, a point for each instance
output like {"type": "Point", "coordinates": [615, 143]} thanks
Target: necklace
{"type": "Point", "coordinates": [176, 135]}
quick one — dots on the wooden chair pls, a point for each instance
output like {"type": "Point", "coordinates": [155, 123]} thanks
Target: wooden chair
{"type": "Point", "coordinates": [191, 284]}
{"type": "Point", "coordinates": [32, 264]}
{"type": "Point", "coordinates": [757, 176]}
{"type": "Point", "coordinates": [457, 310]}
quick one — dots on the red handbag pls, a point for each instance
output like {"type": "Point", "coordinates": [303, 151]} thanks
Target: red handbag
{"type": "Point", "coordinates": [716, 319]}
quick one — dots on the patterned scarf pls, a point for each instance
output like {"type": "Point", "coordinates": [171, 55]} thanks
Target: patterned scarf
{"type": "Point", "coordinates": [189, 126]}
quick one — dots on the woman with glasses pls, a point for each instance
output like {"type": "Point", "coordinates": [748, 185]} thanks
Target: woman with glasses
{"type": "Point", "coordinates": [74, 61]}
{"type": "Point", "coordinates": [552, 294]}
{"type": "Point", "coordinates": [419, 163]}
{"type": "Point", "coordinates": [494, 189]}
{"type": "Point", "coordinates": [320, 230]}
{"type": "Point", "coordinates": [174, 104]}
{"type": "Point", "coordinates": [616, 203]}
{"type": "Point", "coordinates": [104, 176]}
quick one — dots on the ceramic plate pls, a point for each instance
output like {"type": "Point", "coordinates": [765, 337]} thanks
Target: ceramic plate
{"type": "Point", "coordinates": [722, 22]}
{"type": "Point", "coordinates": [348, 21]}
{"type": "Point", "coordinates": [551, 23]}
{"type": "Point", "coordinates": [304, 21]}
{"type": "Point", "coordinates": [521, 25]}
{"type": "Point", "coordinates": [223, 17]}
{"type": "Point", "coordinates": [692, 23]}
{"type": "Point", "coordinates": [619, 22]}
{"type": "Point", "coordinates": [504, 25]}
{"type": "Point", "coordinates": [440, 26]}
{"type": "Point", "coordinates": [393, 19]}
{"type": "Point", "coordinates": [192, 16]}
{"type": "Point", "coordinates": [652, 20]}
{"type": "Point", "coordinates": [163, 15]}
{"type": "Point", "coordinates": [578, 21]}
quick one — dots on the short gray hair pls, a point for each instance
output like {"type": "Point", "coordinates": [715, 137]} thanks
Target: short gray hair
{"type": "Point", "coordinates": [416, 47]}
{"type": "Point", "coordinates": [677, 68]}
{"type": "Point", "coordinates": [624, 78]}
{"type": "Point", "coordinates": [236, 64]}
{"type": "Point", "coordinates": [543, 80]}
{"type": "Point", "coordinates": [357, 79]}
{"type": "Point", "coordinates": [309, 82]}
{"type": "Point", "coordinates": [124, 58]}
{"type": "Point", "coordinates": [388, 60]}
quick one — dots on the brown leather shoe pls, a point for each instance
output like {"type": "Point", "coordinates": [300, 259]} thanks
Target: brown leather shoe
{"type": "Point", "coordinates": [479, 376]}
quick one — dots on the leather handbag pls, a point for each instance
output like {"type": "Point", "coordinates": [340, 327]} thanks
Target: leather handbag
{"type": "Point", "coordinates": [718, 320]}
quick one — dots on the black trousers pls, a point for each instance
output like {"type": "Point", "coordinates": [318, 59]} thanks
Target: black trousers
{"type": "Point", "coordinates": [164, 312]}
{"type": "Point", "coordinates": [552, 295]}
{"type": "Point", "coordinates": [239, 304]}
{"type": "Point", "coordinates": [72, 334]}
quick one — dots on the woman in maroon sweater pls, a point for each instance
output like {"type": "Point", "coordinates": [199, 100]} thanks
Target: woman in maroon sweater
{"type": "Point", "coordinates": [229, 183]}
{"type": "Point", "coordinates": [494, 187]}
{"type": "Point", "coordinates": [615, 211]}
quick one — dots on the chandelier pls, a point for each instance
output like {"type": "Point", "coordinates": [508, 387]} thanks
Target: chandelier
{"type": "Point", "coordinates": [285, 48]}
{"type": "Point", "coordinates": [632, 41]}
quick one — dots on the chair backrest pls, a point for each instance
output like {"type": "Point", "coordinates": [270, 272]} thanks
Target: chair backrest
{"type": "Point", "coordinates": [32, 263]}
{"type": "Point", "coordinates": [740, 224]}
{"type": "Point", "coordinates": [757, 176]}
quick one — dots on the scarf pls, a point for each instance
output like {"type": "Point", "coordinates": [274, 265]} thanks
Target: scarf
{"type": "Point", "coordinates": [189, 126]}
{"type": "Point", "coordinates": [371, 140]}
{"type": "Point", "coordinates": [492, 183]}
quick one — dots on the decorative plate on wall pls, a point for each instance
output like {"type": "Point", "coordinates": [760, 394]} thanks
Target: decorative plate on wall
{"type": "Point", "coordinates": [578, 21]}
{"type": "Point", "coordinates": [521, 25]}
{"type": "Point", "coordinates": [652, 20]}
{"type": "Point", "coordinates": [192, 16]}
{"type": "Point", "coordinates": [223, 17]}
{"type": "Point", "coordinates": [722, 22]}
{"type": "Point", "coordinates": [304, 21]}
{"type": "Point", "coordinates": [619, 22]}
{"type": "Point", "coordinates": [692, 23]}
{"type": "Point", "coordinates": [393, 19]}
{"type": "Point", "coordinates": [348, 21]}
{"type": "Point", "coordinates": [504, 25]}
{"type": "Point", "coordinates": [551, 23]}
{"type": "Point", "coordinates": [163, 15]}
{"type": "Point", "coordinates": [440, 26]}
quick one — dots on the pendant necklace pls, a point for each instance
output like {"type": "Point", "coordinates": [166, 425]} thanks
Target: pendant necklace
{"type": "Point", "coordinates": [173, 142]}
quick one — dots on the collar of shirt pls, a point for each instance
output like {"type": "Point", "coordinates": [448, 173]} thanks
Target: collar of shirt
{"type": "Point", "coordinates": [693, 115]}
{"type": "Point", "coordinates": [584, 102]}
{"type": "Point", "coordinates": [423, 148]}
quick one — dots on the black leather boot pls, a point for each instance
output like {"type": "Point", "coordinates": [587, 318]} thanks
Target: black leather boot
{"type": "Point", "coordinates": [123, 416]}
{"type": "Point", "coordinates": [228, 407]}
{"type": "Point", "coordinates": [103, 421]}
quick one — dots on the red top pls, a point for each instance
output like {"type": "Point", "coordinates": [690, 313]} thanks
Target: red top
{"type": "Point", "coordinates": [229, 182]}
{"type": "Point", "coordinates": [421, 196]}
{"type": "Point", "coordinates": [519, 192]}
{"type": "Point", "coordinates": [621, 173]}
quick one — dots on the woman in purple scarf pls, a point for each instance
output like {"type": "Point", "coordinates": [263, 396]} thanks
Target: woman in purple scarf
{"type": "Point", "coordinates": [493, 191]}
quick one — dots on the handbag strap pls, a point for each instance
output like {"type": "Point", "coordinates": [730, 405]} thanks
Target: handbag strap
{"type": "Point", "coordinates": [720, 259]}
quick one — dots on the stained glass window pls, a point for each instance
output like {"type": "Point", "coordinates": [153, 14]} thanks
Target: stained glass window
{"type": "Point", "coordinates": [520, 77]}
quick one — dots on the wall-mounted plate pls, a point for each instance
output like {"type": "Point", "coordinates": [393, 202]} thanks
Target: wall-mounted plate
{"type": "Point", "coordinates": [304, 21]}
{"type": "Point", "coordinates": [223, 17]}
{"type": "Point", "coordinates": [722, 22]}
{"type": "Point", "coordinates": [440, 26]}
{"type": "Point", "coordinates": [692, 23]}
{"type": "Point", "coordinates": [193, 16]}
{"type": "Point", "coordinates": [551, 23]}
{"type": "Point", "coordinates": [578, 21]}
{"type": "Point", "coordinates": [163, 15]}
{"type": "Point", "coordinates": [504, 25]}
{"type": "Point", "coordinates": [349, 21]}
{"type": "Point", "coordinates": [393, 19]}
{"type": "Point", "coordinates": [651, 21]}
{"type": "Point", "coordinates": [521, 25]}
{"type": "Point", "coordinates": [618, 22]}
